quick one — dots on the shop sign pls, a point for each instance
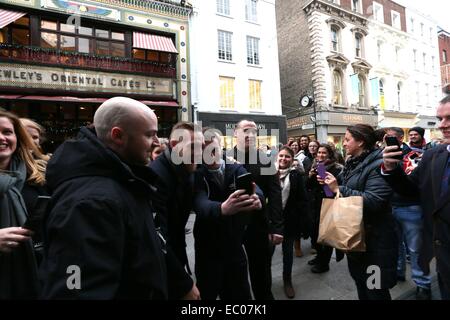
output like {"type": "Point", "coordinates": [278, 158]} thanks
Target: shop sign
{"type": "Point", "coordinates": [350, 119]}
{"type": "Point", "coordinates": [27, 76]}
{"type": "Point", "coordinates": [298, 122]}
{"type": "Point", "coordinates": [75, 7]}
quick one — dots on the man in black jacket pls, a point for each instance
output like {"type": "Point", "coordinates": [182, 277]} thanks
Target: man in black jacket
{"type": "Point", "coordinates": [175, 168]}
{"type": "Point", "coordinates": [100, 238]}
{"type": "Point", "coordinates": [431, 180]}
{"type": "Point", "coordinates": [265, 230]}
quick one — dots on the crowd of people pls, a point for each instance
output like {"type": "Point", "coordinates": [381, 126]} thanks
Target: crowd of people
{"type": "Point", "coordinates": [119, 198]}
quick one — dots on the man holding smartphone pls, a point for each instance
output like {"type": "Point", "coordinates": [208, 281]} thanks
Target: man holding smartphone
{"type": "Point", "coordinates": [431, 181]}
{"type": "Point", "coordinates": [408, 215]}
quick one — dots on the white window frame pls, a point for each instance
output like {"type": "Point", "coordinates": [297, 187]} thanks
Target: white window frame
{"type": "Point", "coordinates": [253, 57]}
{"type": "Point", "coordinates": [223, 7]}
{"type": "Point", "coordinates": [225, 45]}
{"type": "Point", "coordinates": [398, 24]}
{"type": "Point", "coordinates": [379, 18]}
{"type": "Point", "coordinates": [358, 9]}
{"type": "Point", "coordinates": [338, 90]}
{"type": "Point", "coordinates": [412, 25]}
{"type": "Point", "coordinates": [424, 56]}
{"type": "Point", "coordinates": [415, 58]}
{"type": "Point", "coordinates": [251, 10]}
{"type": "Point", "coordinates": [338, 38]}
{"type": "Point", "coordinates": [361, 45]}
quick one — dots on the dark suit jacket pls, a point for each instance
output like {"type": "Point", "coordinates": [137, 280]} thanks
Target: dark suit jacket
{"type": "Point", "coordinates": [426, 181]}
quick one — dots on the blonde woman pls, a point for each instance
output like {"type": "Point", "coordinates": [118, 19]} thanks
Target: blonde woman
{"type": "Point", "coordinates": [22, 179]}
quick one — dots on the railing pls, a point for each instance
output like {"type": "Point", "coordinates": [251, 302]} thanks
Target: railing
{"type": "Point", "coordinates": [84, 61]}
{"type": "Point", "coordinates": [445, 75]}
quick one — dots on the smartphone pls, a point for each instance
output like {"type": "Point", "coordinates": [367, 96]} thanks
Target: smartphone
{"type": "Point", "coordinates": [322, 172]}
{"type": "Point", "coordinates": [393, 141]}
{"type": "Point", "coordinates": [34, 220]}
{"type": "Point", "coordinates": [245, 182]}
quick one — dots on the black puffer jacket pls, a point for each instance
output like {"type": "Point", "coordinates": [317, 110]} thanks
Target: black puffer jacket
{"type": "Point", "coordinates": [381, 240]}
{"type": "Point", "coordinates": [101, 220]}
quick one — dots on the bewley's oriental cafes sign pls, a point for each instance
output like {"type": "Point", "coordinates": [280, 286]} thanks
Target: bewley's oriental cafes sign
{"type": "Point", "coordinates": [27, 76]}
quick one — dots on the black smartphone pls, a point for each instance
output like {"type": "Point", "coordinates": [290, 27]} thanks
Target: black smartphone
{"type": "Point", "coordinates": [393, 141]}
{"type": "Point", "coordinates": [244, 181]}
{"type": "Point", "coordinates": [35, 216]}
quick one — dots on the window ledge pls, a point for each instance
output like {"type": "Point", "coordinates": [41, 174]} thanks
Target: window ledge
{"type": "Point", "coordinates": [339, 106]}
{"type": "Point", "coordinates": [226, 61]}
{"type": "Point", "coordinates": [258, 66]}
{"type": "Point", "coordinates": [256, 111]}
{"type": "Point", "coordinates": [228, 110]}
{"type": "Point", "coordinates": [253, 22]}
{"type": "Point", "coordinates": [224, 15]}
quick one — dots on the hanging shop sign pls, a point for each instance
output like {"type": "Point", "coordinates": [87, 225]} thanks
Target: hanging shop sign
{"type": "Point", "coordinates": [27, 76]}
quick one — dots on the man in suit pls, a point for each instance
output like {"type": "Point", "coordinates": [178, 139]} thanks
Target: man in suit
{"type": "Point", "coordinates": [431, 180]}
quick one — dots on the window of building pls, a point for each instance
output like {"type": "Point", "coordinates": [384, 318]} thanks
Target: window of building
{"type": "Point", "coordinates": [444, 56]}
{"type": "Point", "coordinates": [223, 7]}
{"type": "Point", "coordinates": [397, 54]}
{"type": "Point", "coordinates": [335, 46]}
{"type": "Point", "coordinates": [399, 95]}
{"type": "Point", "coordinates": [251, 10]}
{"type": "Point", "coordinates": [254, 87]}
{"type": "Point", "coordinates": [427, 94]}
{"type": "Point", "coordinates": [431, 34]}
{"type": "Point", "coordinates": [421, 29]}
{"type": "Point", "coordinates": [225, 49]}
{"type": "Point", "coordinates": [17, 32]}
{"type": "Point", "coordinates": [412, 25]}
{"type": "Point", "coordinates": [252, 50]}
{"type": "Point", "coordinates": [424, 62]}
{"type": "Point", "coordinates": [356, 6]}
{"type": "Point", "coordinates": [226, 92]}
{"type": "Point", "coordinates": [378, 13]}
{"type": "Point", "coordinates": [358, 45]}
{"type": "Point", "coordinates": [418, 92]}
{"type": "Point", "coordinates": [395, 16]}
{"type": "Point", "coordinates": [415, 58]}
{"type": "Point", "coordinates": [156, 56]}
{"type": "Point", "coordinates": [379, 50]}
{"type": "Point", "coordinates": [433, 64]}
{"type": "Point", "coordinates": [337, 88]}
{"type": "Point", "coordinates": [58, 35]}
{"type": "Point", "coordinates": [362, 91]}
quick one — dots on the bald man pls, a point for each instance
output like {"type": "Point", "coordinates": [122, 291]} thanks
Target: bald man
{"type": "Point", "coordinates": [100, 237]}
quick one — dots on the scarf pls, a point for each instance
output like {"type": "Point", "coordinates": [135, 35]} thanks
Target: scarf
{"type": "Point", "coordinates": [18, 269]}
{"type": "Point", "coordinates": [218, 175]}
{"type": "Point", "coordinates": [285, 184]}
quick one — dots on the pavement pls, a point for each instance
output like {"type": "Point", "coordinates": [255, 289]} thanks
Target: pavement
{"type": "Point", "coordinates": [335, 284]}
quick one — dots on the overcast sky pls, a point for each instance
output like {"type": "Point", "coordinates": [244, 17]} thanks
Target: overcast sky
{"type": "Point", "coordinates": [439, 10]}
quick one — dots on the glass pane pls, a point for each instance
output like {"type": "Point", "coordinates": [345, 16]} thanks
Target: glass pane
{"type": "Point", "coordinates": [117, 36]}
{"type": "Point", "coordinates": [85, 31]}
{"type": "Point", "coordinates": [49, 40]}
{"type": "Point", "coordinates": [164, 57]}
{"type": "Point", "coordinates": [101, 33]}
{"type": "Point", "coordinates": [4, 35]}
{"type": "Point", "coordinates": [117, 49]}
{"type": "Point", "coordinates": [67, 28]}
{"type": "Point", "coordinates": [152, 56]}
{"type": "Point", "coordinates": [102, 48]}
{"type": "Point", "coordinates": [85, 45]}
{"type": "Point", "coordinates": [48, 24]}
{"type": "Point", "coordinates": [21, 36]}
{"type": "Point", "coordinates": [139, 54]}
{"type": "Point", "coordinates": [67, 43]}
{"type": "Point", "coordinates": [24, 21]}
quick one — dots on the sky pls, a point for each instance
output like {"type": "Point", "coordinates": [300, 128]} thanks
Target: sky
{"type": "Point", "coordinates": [439, 10]}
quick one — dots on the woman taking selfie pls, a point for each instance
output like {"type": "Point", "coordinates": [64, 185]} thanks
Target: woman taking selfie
{"type": "Point", "coordinates": [361, 177]}
{"type": "Point", "coordinates": [21, 177]}
{"type": "Point", "coordinates": [326, 157]}
{"type": "Point", "coordinates": [293, 194]}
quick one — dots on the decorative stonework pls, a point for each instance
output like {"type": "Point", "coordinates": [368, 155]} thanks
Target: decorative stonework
{"type": "Point", "coordinates": [337, 61]}
{"type": "Point", "coordinates": [157, 7]}
{"type": "Point", "coordinates": [361, 66]}
{"type": "Point", "coordinates": [336, 11]}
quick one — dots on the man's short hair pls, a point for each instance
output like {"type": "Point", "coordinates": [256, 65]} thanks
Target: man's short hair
{"type": "Point", "coordinates": [399, 131]}
{"type": "Point", "coordinates": [445, 100]}
{"type": "Point", "coordinates": [238, 125]}
{"type": "Point", "coordinates": [182, 125]}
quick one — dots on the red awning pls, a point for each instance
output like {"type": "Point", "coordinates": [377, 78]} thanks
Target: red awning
{"type": "Point", "coordinates": [85, 100]}
{"type": "Point", "coordinates": [8, 16]}
{"type": "Point", "coordinates": [153, 42]}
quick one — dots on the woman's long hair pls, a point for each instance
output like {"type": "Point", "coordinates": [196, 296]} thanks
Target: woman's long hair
{"type": "Point", "coordinates": [27, 151]}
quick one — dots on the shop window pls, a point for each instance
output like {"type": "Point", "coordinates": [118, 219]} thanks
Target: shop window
{"type": "Point", "coordinates": [102, 48]}
{"type": "Point", "coordinates": [68, 112]}
{"type": "Point", "coordinates": [49, 25]}
{"type": "Point", "coordinates": [152, 55]}
{"type": "Point", "coordinates": [165, 57]}
{"type": "Point", "coordinates": [101, 33]}
{"type": "Point", "coordinates": [49, 40]}
{"type": "Point", "coordinates": [117, 49]}
{"type": "Point", "coordinates": [67, 43]}
{"type": "Point", "coordinates": [117, 36]}
{"type": "Point", "coordinates": [69, 28]}
{"type": "Point", "coordinates": [21, 36]}
{"type": "Point", "coordinates": [85, 113]}
{"type": "Point", "coordinates": [85, 45]}
{"type": "Point", "coordinates": [139, 54]}
{"type": "Point", "coordinates": [3, 35]}
{"type": "Point", "coordinates": [85, 31]}
{"type": "Point", "coordinates": [20, 109]}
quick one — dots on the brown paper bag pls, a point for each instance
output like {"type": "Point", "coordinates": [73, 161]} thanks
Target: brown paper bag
{"type": "Point", "coordinates": [341, 223]}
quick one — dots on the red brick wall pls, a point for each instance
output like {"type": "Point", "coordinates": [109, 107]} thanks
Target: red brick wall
{"type": "Point", "coordinates": [444, 44]}
{"type": "Point", "coordinates": [346, 4]}
{"type": "Point", "coordinates": [387, 7]}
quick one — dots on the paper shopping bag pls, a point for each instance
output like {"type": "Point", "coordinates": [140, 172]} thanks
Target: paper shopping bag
{"type": "Point", "coordinates": [341, 223]}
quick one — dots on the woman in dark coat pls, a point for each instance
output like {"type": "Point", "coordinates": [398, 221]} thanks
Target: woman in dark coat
{"type": "Point", "coordinates": [293, 193]}
{"type": "Point", "coordinates": [361, 178]}
{"type": "Point", "coordinates": [327, 156]}
{"type": "Point", "coordinates": [22, 176]}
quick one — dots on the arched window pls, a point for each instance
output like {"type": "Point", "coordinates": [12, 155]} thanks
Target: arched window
{"type": "Point", "coordinates": [362, 91]}
{"type": "Point", "coordinates": [334, 38]}
{"type": "Point", "coordinates": [399, 94]}
{"type": "Point", "coordinates": [358, 45]}
{"type": "Point", "coordinates": [337, 88]}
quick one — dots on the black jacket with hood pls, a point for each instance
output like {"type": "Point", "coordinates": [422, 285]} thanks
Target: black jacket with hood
{"type": "Point", "coordinates": [100, 223]}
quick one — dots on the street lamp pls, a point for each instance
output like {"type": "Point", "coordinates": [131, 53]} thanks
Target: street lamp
{"type": "Point", "coordinates": [305, 102]}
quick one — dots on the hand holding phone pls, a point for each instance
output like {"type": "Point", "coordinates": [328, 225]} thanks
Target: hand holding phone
{"type": "Point", "coordinates": [393, 141]}
{"type": "Point", "coordinates": [322, 171]}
